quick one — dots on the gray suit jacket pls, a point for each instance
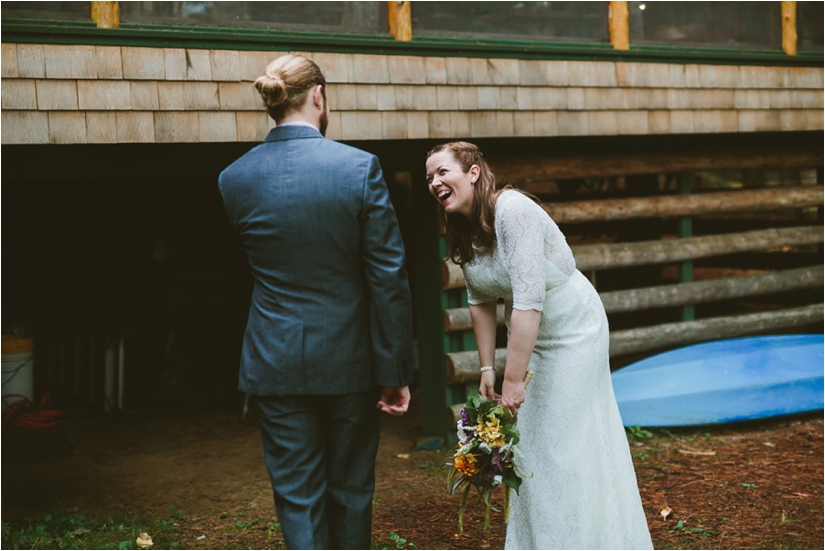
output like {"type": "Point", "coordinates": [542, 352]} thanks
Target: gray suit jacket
{"type": "Point", "coordinates": [330, 310]}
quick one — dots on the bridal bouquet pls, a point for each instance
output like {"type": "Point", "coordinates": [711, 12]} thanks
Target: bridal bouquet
{"type": "Point", "coordinates": [487, 438]}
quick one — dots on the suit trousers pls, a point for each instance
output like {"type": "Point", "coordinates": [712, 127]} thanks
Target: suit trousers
{"type": "Point", "coordinates": [320, 453]}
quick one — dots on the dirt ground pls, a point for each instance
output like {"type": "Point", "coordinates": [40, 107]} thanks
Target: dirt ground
{"type": "Point", "coordinates": [748, 486]}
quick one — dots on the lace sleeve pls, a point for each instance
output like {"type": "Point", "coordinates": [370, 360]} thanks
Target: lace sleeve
{"type": "Point", "coordinates": [521, 242]}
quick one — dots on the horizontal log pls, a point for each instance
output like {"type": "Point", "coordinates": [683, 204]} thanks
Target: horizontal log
{"type": "Point", "coordinates": [452, 277]}
{"type": "Point", "coordinates": [458, 319]}
{"type": "Point", "coordinates": [617, 255]}
{"type": "Point", "coordinates": [697, 292]}
{"type": "Point", "coordinates": [454, 414]}
{"type": "Point", "coordinates": [663, 296]}
{"type": "Point", "coordinates": [670, 335]}
{"type": "Point", "coordinates": [527, 170]}
{"type": "Point", "coordinates": [684, 205]}
{"type": "Point", "coordinates": [602, 256]}
{"type": "Point", "coordinates": [462, 367]}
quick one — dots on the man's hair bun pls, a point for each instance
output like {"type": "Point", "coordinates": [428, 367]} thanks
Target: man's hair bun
{"type": "Point", "coordinates": [273, 91]}
{"type": "Point", "coordinates": [286, 82]}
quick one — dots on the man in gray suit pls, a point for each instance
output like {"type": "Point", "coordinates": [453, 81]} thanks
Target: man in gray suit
{"type": "Point", "coordinates": [328, 338]}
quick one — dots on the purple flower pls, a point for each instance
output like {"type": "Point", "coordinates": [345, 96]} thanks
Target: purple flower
{"type": "Point", "coordinates": [465, 420]}
{"type": "Point", "coordinates": [497, 460]}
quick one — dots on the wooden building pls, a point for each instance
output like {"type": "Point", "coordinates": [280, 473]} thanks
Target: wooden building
{"type": "Point", "coordinates": [665, 142]}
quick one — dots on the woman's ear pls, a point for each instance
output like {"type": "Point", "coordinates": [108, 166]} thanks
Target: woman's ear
{"type": "Point", "coordinates": [474, 172]}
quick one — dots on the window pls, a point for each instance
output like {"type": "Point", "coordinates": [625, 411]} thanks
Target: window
{"type": "Point", "coordinates": [349, 17]}
{"type": "Point", "coordinates": [580, 21]}
{"type": "Point", "coordinates": [809, 17]}
{"type": "Point", "coordinates": [743, 25]}
{"type": "Point", "coordinates": [71, 11]}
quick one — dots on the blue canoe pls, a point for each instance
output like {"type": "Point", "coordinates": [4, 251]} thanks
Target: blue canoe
{"type": "Point", "coordinates": [723, 381]}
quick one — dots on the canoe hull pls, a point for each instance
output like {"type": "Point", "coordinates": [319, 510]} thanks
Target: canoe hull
{"type": "Point", "coordinates": [723, 381]}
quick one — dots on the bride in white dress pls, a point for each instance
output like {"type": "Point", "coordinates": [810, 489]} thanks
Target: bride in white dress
{"type": "Point", "coordinates": [582, 493]}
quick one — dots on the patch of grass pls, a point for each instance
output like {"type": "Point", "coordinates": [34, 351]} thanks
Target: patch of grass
{"type": "Point", "coordinates": [681, 527]}
{"type": "Point", "coordinates": [638, 433]}
{"type": "Point", "coordinates": [177, 513]}
{"type": "Point", "coordinates": [70, 529]}
{"type": "Point", "coordinates": [243, 524]}
{"type": "Point", "coordinates": [396, 542]}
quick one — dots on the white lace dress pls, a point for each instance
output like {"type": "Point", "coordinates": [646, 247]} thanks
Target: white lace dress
{"type": "Point", "coordinates": [583, 492]}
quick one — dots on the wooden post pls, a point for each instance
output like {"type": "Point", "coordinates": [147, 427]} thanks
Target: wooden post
{"type": "Point", "coordinates": [434, 392]}
{"type": "Point", "coordinates": [789, 36]}
{"type": "Point", "coordinates": [106, 14]}
{"type": "Point", "coordinates": [619, 26]}
{"type": "Point", "coordinates": [686, 230]}
{"type": "Point", "coordinates": [400, 20]}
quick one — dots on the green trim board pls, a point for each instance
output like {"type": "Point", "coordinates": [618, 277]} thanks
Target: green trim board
{"type": "Point", "coordinates": [163, 36]}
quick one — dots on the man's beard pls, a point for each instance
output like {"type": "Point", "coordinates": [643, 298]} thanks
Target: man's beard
{"type": "Point", "coordinates": [324, 121]}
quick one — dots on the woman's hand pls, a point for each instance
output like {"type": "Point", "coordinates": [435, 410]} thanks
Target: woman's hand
{"type": "Point", "coordinates": [487, 386]}
{"type": "Point", "coordinates": [512, 395]}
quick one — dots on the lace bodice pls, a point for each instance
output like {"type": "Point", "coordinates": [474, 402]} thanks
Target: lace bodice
{"type": "Point", "coordinates": [529, 255]}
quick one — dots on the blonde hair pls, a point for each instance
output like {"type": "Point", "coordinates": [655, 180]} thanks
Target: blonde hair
{"type": "Point", "coordinates": [286, 83]}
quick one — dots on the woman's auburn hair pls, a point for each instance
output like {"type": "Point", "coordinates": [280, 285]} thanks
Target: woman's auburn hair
{"type": "Point", "coordinates": [480, 227]}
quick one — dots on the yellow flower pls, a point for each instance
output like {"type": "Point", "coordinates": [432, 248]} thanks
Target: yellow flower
{"type": "Point", "coordinates": [490, 432]}
{"type": "Point", "coordinates": [467, 464]}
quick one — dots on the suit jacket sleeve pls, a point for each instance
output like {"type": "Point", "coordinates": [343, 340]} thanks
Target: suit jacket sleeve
{"type": "Point", "coordinates": [390, 304]}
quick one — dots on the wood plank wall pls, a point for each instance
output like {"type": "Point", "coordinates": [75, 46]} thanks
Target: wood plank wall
{"type": "Point", "coordinates": [107, 94]}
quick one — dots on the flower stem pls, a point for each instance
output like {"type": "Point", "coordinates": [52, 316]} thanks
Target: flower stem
{"type": "Point", "coordinates": [462, 502]}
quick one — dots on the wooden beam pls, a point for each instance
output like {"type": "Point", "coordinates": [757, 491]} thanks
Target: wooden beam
{"type": "Point", "coordinates": [665, 296]}
{"type": "Point", "coordinates": [789, 35]}
{"type": "Point", "coordinates": [106, 14]}
{"type": "Point", "coordinates": [532, 173]}
{"type": "Point", "coordinates": [454, 414]}
{"type": "Point", "coordinates": [618, 255]}
{"type": "Point", "coordinates": [602, 256]}
{"type": "Point", "coordinates": [660, 337]}
{"type": "Point", "coordinates": [452, 277]}
{"type": "Point", "coordinates": [400, 19]}
{"type": "Point", "coordinates": [619, 25]}
{"type": "Point", "coordinates": [572, 212]}
{"type": "Point", "coordinates": [458, 319]}
{"type": "Point", "coordinates": [462, 367]}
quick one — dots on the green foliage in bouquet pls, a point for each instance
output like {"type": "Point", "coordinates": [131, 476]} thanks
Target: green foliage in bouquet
{"type": "Point", "coordinates": [485, 456]}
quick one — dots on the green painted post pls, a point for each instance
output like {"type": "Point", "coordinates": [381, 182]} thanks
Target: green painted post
{"type": "Point", "coordinates": [686, 230]}
{"type": "Point", "coordinates": [434, 392]}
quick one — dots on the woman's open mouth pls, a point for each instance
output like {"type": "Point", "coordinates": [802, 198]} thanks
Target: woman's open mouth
{"type": "Point", "coordinates": [443, 194]}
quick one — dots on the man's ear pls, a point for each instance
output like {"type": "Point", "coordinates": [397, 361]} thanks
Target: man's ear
{"type": "Point", "coordinates": [318, 96]}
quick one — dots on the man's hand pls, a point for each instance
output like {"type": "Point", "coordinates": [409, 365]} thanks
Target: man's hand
{"type": "Point", "coordinates": [394, 399]}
